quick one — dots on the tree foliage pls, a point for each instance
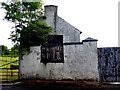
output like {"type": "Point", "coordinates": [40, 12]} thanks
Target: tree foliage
{"type": "Point", "coordinates": [29, 29]}
{"type": "Point", "coordinates": [14, 51]}
{"type": "Point", "coordinates": [5, 50]}
{"type": "Point", "coordinates": [35, 34]}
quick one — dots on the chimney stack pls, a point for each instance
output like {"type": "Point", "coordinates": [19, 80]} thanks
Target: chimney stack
{"type": "Point", "coordinates": [51, 14]}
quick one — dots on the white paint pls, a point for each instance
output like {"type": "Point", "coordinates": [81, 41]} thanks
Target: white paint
{"type": "Point", "coordinates": [80, 62]}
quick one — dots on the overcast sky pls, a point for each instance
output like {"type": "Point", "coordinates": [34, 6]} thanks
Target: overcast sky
{"type": "Point", "coordinates": [95, 18]}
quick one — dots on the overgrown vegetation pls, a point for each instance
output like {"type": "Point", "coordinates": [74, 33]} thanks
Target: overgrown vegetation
{"type": "Point", "coordinates": [13, 52]}
{"type": "Point", "coordinates": [8, 58]}
{"type": "Point", "coordinates": [29, 30]}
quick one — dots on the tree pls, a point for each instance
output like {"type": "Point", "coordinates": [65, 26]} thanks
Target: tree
{"type": "Point", "coordinates": [26, 16]}
{"type": "Point", "coordinates": [5, 50]}
{"type": "Point", "coordinates": [40, 35]}
{"type": "Point", "coordinates": [14, 51]}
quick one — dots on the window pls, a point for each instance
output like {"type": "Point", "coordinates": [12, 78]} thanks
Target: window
{"type": "Point", "coordinates": [53, 53]}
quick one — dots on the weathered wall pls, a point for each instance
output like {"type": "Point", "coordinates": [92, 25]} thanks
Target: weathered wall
{"type": "Point", "coordinates": [70, 33]}
{"type": "Point", "coordinates": [109, 64]}
{"type": "Point", "coordinates": [80, 62]}
{"type": "Point", "coordinates": [51, 13]}
{"type": "Point", "coordinates": [80, 59]}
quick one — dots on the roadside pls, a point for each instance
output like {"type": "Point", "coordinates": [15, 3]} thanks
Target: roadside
{"type": "Point", "coordinates": [53, 85]}
{"type": "Point", "coordinates": [43, 84]}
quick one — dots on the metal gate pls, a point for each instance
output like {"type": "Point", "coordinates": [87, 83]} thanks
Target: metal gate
{"type": "Point", "coordinates": [53, 52]}
{"type": "Point", "coordinates": [109, 64]}
{"type": "Point", "coordinates": [9, 71]}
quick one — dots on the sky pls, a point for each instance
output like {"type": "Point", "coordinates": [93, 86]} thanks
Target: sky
{"type": "Point", "coordinates": [97, 19]}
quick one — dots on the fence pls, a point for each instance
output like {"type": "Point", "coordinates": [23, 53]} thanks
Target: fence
{"type": "Point", "coordinates": [10, 73]}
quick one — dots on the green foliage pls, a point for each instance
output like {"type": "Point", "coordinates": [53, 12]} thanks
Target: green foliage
{"type": "Point", "coordinates": [14, 51]}
{"type": "Point", "coordinates": [35, 34]}
{"type": "Point", "coordinates": [29, 30]}
{"type": "Point", "coordinates": [23, 12]}
{"type": "Point", "coordinates": [5, 50]}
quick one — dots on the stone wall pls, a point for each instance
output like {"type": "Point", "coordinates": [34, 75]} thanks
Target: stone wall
{"type": "Point", "coordinates": [80, 62]}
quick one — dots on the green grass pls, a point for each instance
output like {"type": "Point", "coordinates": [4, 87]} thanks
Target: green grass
{"type": "Point", "coordinates": [7, 60]}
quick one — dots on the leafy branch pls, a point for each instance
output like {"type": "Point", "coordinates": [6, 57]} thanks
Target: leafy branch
{"type": "Point", "coordinates": [29, 28]}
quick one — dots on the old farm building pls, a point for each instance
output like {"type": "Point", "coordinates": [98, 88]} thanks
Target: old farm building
{"type": "Point", "coordinates": [66, 58]}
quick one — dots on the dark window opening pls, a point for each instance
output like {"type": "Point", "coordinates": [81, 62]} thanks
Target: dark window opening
{"type": "Point", "coordinates": [53, 52]}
